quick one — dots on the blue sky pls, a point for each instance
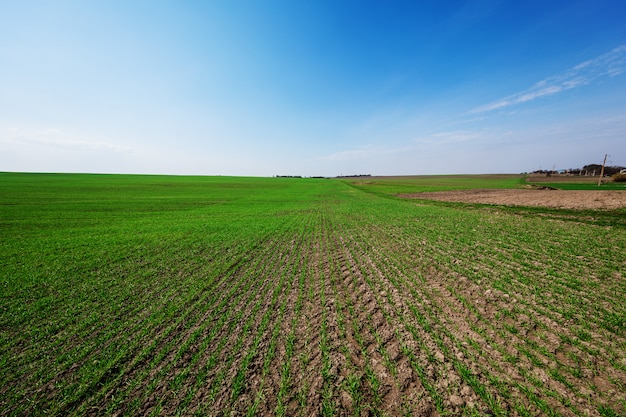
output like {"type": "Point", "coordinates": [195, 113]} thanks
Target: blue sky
{"type": "Point", "coordinates": [311, 87]}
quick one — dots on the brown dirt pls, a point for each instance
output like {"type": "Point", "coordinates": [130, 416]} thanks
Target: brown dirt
{"type": "Point", "coordinates": [569, 199]}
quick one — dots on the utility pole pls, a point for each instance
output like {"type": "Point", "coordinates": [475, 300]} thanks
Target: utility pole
{"type": "Point", "coordinates": [602, 170]}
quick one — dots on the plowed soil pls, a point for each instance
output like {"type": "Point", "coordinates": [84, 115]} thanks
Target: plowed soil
{"type": "Point", "coordinates": [569, 199]}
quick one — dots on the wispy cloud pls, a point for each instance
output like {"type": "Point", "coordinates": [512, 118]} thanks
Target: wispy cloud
{"type": "Point", "coordinates": [445, 138]}
{"type": "Point", "coordinates": [365, 152]}
{"type": "Point", "coordinates": [56, 138]}
{"type": "Point", "coordinates": [353, 154]}
{"type": "Point", "coordinates": [451, 137]}
{"type": "Point", "coordinates": [607, 65]}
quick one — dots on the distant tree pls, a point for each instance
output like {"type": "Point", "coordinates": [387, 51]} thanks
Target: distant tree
{"type": "Point", "coordinates": [592, 168]}
{"type": "Point", "coordinates": [619, 177]}
{"type": "Point", "coordinates": [612, 170]}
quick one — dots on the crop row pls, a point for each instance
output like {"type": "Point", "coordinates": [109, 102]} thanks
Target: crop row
{"type": "Point", "coordinates": [313, 300]}
{"type": "Point", "coordinates": [520, 345]}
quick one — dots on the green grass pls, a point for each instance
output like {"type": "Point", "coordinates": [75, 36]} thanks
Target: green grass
{"type": "Point", "coordinates": [394, 187]}
{"type": "Point", "coordinates": [172, 295]}
{"type": "Point", "coordinates": [391, 186]}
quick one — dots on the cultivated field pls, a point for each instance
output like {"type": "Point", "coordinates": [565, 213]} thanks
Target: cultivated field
{"type": "Point", "coordinates": [148, 295]}
{"type": "Point", "coordinates": [569, 199]}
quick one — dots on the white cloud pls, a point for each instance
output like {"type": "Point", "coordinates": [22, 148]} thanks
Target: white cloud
{"type": "Point", "coordinates": [610, 64]}
{"type": "Point", "coordinates": [54, 150]}
{"type": "Point", "coordinates": [363, 152]}
{"type": "Point", "coordinates": [457, 136]}
{"type": "Point", "coordinates": [564, 143]}
{"type": "Point", "coordinates": [55, 138]}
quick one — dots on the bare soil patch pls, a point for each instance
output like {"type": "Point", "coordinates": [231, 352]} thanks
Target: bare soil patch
{"type": "Point", "coordinates": [570, 199]}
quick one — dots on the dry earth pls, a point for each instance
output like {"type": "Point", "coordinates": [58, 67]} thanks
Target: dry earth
{"type": "Point", "coordinates": [570, 199]}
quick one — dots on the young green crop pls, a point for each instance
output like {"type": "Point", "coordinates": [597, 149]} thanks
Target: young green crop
{"type": "Point", "coordinates": [125, 295]}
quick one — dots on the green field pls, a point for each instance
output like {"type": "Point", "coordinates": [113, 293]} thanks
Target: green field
{"type": "Point", "coordinates": [165, 295]}
{"type": "Point", "coordinates": [390, 186]}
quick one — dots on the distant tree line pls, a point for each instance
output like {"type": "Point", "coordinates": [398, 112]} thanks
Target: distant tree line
{"type": "Point", "coordinates": [587, 170]}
